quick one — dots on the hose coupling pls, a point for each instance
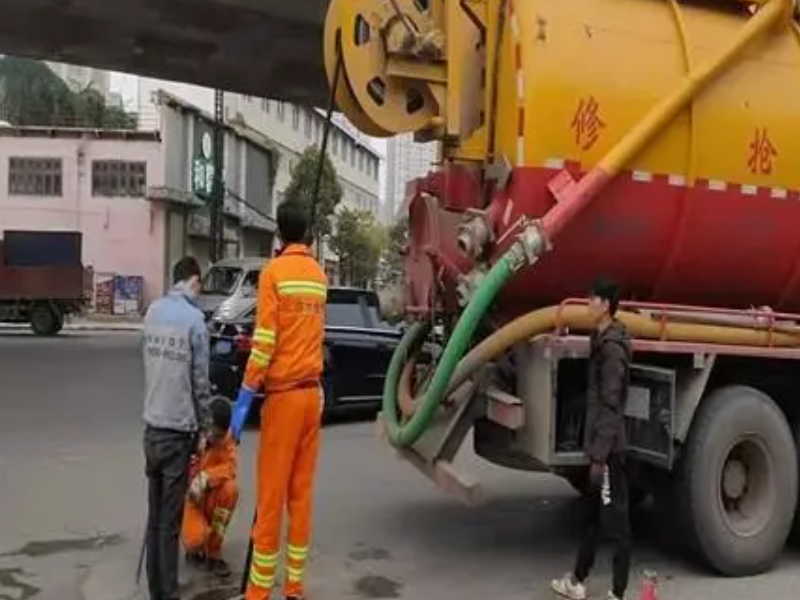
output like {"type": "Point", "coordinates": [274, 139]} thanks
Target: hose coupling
{"type": "Point", "coordinates": [528, 247]}
{"type": "Point", "coordinates": [474, 234]}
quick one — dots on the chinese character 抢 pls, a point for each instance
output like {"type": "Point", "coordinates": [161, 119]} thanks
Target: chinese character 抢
{"type": "Point", "coordinates": [762, 153]}
{"type": "Point", "coordinates": [587, 123]}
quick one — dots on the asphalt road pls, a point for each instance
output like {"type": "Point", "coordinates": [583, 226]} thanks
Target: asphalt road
{"type": "Point", "coordinates": [72, 502]}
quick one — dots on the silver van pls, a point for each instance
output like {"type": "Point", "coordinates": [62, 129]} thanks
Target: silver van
{"type": "Point", "coordinates": [230, 287]}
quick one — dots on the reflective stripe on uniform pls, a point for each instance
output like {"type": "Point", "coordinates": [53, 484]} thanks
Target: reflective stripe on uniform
{"type": "Point", "coordinates": [265, 560]}
{"type": "Point", "coordinates": [223, 514]}
{"type": "Point", "coordinates": [259, 357]}
{"type": "Point", "coordinates": [302, 288]}
{"type": "Point", "coordinates": [265, 336]}
{"type": "Point", "coordinates": [294, 573]}
{"type": "Point", "coordinates": [297, 552]}
{"type": "Point", "coordinates": [262, 581]}
{"type": "Point", "coordinates": [219, 528]}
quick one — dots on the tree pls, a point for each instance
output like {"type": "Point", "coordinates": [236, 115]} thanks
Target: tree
{"type": "Point", "coordinates": [393, 260]}
{"type": "Point", "coordinates": [301, 189]}
{"type": "Point", "coordinates": [358, 242]}
{"type": "Point", "coordinates": [31, 94]}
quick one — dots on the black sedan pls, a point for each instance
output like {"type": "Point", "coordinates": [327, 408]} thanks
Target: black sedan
{"type": "Point", "coordinates": [358, 348]}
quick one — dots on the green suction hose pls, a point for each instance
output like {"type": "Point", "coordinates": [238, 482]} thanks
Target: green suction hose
{"type": "Point", "coordinates": [408, 433]}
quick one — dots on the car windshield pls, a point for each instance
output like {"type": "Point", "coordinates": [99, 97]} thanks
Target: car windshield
{"type": "Point", "coordinates": [221, 280]}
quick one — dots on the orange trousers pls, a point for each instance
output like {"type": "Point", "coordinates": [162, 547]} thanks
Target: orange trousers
{"type": "Point", "coordinates": [287, 459]}
{"type": "Point", "coordinates": [204, 526]}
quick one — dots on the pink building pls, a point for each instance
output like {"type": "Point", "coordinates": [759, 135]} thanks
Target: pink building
{"type": "Point", "coordinates": [132, 193]}
{"type": "Point", "coordinates": [90, 181]}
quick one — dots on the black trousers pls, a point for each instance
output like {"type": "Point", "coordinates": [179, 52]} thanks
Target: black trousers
{"type": "Point", "coordinates": [167, 456]}
{"type": "Point", "coordinates": [605, 512]}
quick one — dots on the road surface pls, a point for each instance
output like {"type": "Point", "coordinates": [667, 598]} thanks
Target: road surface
{"type": "Point", "coordinates": [73, 501]}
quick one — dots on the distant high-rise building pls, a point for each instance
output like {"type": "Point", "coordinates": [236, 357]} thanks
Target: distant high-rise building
{"type": "Point", "coordinates": [405, 160]}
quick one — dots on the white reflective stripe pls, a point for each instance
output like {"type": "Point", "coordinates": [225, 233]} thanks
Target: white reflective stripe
{"type": "Point", "coordinates": [749, 190]}
{"type": "Point", "coordinates": [779, 193]}
{"type": "Point", "coordinates": [554, 163]}
{"type": "Point", "coordinates": [677, 180]}
{"type": "Point", "coordinates": [520, 85]}
{"type": "Point", "coordinates": [717, 185]}
{"type": "Point", "coordinates": [515, 25]}
{"type": "Point", "coordinates": [642, 176]}
{"type": "Point", "coordinates": [520, 150]}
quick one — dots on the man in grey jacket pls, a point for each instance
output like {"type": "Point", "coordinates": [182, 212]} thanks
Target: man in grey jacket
{"type": "Point", "coordinates": [176, 401]}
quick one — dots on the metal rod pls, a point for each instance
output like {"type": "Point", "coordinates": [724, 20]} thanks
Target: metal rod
{"type": "Point", "coordinates": [403, 18]}
{"type": "Point", "coordinates": [324, 149]}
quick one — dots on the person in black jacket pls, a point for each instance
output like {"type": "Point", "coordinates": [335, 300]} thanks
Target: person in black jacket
{"type": "Point", "coordinates": [606, 506]}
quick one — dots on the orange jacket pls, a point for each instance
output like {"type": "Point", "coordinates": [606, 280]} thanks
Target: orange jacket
{"type": "Point", "coordinates": [218, 461]}
{"type": "Point", "coordinates": [290, 323]}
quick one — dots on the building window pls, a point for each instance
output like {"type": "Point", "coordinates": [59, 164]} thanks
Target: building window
{"type": "Point", "coordinates": [353, 151]}
{"type": "Point", "coordinates": [335, 142]}
{"type": "Point", "coordinates": [308, 124]}
{"type": "Point", "coordinates": [265, 105]}
{"type": "Point", "coordinates": [119, 178]}
{"type": "Point", "coordinates": [361, 160]}
{"type": "Point", "coordinates": [295, 117]}
{"type": "Point", "coordinates": [34, 176]}
{"type": "Point", "coordinates": [281, 110]}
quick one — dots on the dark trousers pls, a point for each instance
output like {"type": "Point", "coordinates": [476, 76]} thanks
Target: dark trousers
{"type": "Point", "coordinates": [167, 456]}
{"type": "Point", "coordinates": [605, 511]}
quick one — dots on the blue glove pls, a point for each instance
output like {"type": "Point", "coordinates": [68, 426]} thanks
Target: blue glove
{"type": "Point", "coordinates": [240, 411]}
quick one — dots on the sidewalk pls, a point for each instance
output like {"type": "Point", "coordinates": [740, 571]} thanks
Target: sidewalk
{"type": "Point", "coordinates": [87, 323]}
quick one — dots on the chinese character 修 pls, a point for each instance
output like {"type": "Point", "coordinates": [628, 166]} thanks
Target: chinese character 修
{"type": "Point", "coordinates": [762, 153]}
{"type": "Point", "coordinates": [587, 123]}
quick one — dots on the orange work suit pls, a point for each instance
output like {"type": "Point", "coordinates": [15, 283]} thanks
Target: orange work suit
{"type": "Point", "coordinates": [204, 524]}
{"type": "Point", "coordinates": [286, 360]}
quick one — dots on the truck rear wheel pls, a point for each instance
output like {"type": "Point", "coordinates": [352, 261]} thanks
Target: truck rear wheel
{"type": "Point", "coordinates": [738, 481]}
{"type": "Point", "coordinates": [44, 321]}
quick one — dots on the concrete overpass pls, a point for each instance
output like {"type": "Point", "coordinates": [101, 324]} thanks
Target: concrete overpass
{"type": "Point", "coordinates": [259, 47]}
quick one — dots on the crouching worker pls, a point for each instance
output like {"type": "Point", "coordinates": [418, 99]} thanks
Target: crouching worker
{"type": "Point", "coordinates": [213, 494]}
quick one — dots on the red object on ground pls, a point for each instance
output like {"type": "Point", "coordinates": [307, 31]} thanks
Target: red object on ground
{"type": "Point", "coordinates": [649, 591]}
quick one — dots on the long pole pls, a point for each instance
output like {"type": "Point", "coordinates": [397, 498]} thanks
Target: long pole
{"type": "Point", "coordinates": [217, 225]}
{"type": "Point", "coordinates": [323, 150]}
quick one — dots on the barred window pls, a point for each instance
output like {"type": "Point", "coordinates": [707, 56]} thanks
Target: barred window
{"type": "Point", "coordinates": [34, 176]}
{"type": "Point", "coordinates": [119, 178]}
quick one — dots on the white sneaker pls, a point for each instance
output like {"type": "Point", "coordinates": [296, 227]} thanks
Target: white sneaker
{"type": "Point", "coordinates": [569, 588]}
{"type": "Point", "coordinates": [611, 596]}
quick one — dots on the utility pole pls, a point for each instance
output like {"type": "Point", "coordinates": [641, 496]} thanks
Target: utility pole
{"type": "Point", "coordinates": [217, 205]}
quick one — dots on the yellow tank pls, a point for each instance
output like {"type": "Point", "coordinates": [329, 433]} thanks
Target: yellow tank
{"type": "Point", "coordinates": [590, 69]}
{"type": "Point", "coordinates": [662, 135]}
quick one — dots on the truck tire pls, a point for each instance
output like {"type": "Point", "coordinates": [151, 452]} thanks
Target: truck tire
{"type": "Point", "coordinates": [737, 482]}
{"type": "Point", "coordinates": [43, 320]}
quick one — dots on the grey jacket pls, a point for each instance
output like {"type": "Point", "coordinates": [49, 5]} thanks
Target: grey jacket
{"type": "Point", "coordinates": [175, 344]}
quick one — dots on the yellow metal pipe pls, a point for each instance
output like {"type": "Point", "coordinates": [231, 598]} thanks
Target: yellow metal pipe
{"type": "Point", "coordinates": [577, 319]}
{"type": "Point", "coordinates": [662, 113]}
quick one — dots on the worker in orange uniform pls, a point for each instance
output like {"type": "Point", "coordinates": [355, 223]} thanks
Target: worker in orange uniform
{"type": "Point", "coordinates": [213, 494]}
{"type": "Point", "coordinates": [286, 360]}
